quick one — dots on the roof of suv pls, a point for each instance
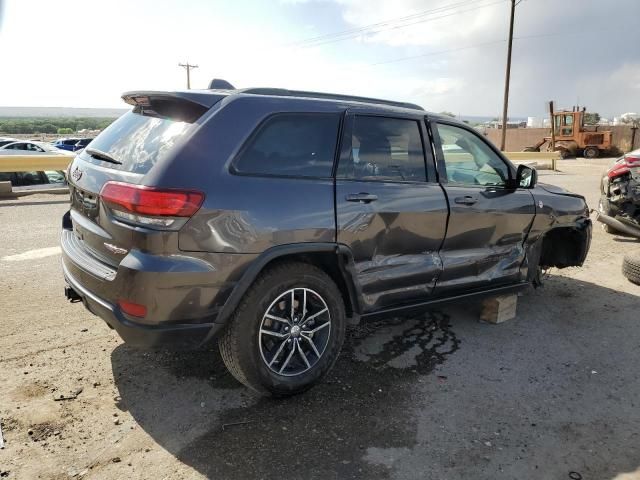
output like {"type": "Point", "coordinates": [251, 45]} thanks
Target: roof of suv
{"type": "Point", "coordinates": [208, 98]}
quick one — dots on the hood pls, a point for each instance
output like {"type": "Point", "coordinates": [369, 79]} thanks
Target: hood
{"type": "Point", "coordinates": [558, 190]}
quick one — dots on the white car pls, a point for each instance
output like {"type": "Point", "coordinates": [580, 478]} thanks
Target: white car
{"type": "Point", "coordinates": [30, 147]}
{"type": "Point", "coordinates": [4, 141]}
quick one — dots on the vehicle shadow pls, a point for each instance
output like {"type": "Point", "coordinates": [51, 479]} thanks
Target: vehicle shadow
{"type": "Point", "coordinates": [195, 409]}
{"type": "Point", "coordinates": [362, 417]}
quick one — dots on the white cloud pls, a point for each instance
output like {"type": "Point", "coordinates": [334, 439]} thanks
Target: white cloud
{"type": "Point", "coordinates": [611, 93]}
{"type": "Point", "coordinates": [112, 46]}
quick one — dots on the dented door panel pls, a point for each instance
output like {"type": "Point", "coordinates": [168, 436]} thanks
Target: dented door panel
{"type": "Point", "coordinates": [485, 241]}
{"type": "Point", "coordinates": [394, 240]}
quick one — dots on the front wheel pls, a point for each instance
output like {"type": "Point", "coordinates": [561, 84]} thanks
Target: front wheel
{"type": "Point", "coordinates": [287, 332]}
{"type": "Point", "coordinates": [591, 152]}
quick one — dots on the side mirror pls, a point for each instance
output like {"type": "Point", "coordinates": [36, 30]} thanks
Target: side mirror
{"type": "Point", "coordinates": [526, 177]}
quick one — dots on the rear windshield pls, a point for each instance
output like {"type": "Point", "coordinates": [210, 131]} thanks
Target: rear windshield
{"type": "Point", "coordinates": [137, 141]}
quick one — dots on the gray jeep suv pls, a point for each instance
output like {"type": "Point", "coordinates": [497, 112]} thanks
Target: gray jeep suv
{"type": "Point", "coordinates": [268, 219]}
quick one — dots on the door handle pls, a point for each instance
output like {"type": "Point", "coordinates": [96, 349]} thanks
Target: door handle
{"type": "Point", "coordinates": [466, 200]}
{"type": "Point", "coordinates": [361, 197]}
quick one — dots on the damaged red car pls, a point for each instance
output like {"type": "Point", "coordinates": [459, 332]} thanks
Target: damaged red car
{"type": "Point", "coordinates": [619, 209]}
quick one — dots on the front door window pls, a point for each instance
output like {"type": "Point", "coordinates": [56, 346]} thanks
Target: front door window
{"type": "Point", "coordinates": [470, 161]}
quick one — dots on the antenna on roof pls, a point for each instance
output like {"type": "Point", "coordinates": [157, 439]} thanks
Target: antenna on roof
{"type": "Point", "coordinates": [219, 84]}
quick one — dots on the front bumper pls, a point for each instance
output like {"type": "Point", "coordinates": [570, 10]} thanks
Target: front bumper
{"type": "Point", "coordinates": [179, 336]}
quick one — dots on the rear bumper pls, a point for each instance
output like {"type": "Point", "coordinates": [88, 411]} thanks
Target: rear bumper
{"type": "Point", "coordinates": [183, 292]}
{"type": "Point", "coordinates": [180, 336]}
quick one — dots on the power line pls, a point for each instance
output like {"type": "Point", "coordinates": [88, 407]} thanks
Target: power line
{"type": "Point", "coordinates": [392, 27]}
{"type": "Point", "coordinates": [380, 27]}
{"type": "Point", "coordinates": [373, 25]}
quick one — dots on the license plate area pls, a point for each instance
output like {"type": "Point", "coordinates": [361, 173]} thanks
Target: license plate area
{"type": "Point", "coordinates": [84, 202]}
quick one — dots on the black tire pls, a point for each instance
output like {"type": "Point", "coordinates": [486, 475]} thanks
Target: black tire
{"type": "Point", "coordinates": [631, 267]}
{"type": "Point", "coordinates": [604, 207]}
{"type": "Point", "coordinates": [591, 152]}
{"type": "Point", "coordinates": [242, 345]}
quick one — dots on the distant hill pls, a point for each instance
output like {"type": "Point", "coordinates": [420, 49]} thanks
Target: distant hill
{"type": "Point", "coordinates": [60, 112]}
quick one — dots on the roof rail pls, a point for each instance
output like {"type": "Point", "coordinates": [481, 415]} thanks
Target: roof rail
{"type": "Point", "coordinates": [282, 92]}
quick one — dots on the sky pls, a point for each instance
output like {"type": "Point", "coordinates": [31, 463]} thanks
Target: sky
{"type": "Point", "coordinates": [446, 55]}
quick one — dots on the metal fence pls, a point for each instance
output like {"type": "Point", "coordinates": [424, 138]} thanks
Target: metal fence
{"type": "Point", "coordinates": [32, 163]}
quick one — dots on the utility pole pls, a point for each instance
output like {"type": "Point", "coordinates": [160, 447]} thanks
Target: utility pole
{"type": "Point", "coordinates": [505, 107]}
{"type": "Point", "coordinates": [553, 134]}
{"type": "Point", "coordinates": [187, 66]}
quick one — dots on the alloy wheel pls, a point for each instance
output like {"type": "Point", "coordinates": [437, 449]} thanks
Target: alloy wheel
{"type": "Point", "coordinates": [294, 332]}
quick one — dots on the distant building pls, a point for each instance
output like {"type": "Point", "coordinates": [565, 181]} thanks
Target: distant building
{"type": "Point", "coordinates": [534, 122]}
{"type": "Point", "coordinates": [510, 124]}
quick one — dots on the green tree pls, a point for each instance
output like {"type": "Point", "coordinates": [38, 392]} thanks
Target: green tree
{"type": "Point", "coordinates": [65, 131]}
{"type": "Point", "coordinates": [29, 125]}
{"type": "Point", "coordinates": [448, 114]}
{"type": "Point", "coordinates": [591, 118]}
{"type": "Point", "coordinates": [47, 128]}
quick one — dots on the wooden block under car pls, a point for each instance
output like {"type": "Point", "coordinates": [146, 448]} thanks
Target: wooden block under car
{"type": "Point", "coordinates": [499, 309]}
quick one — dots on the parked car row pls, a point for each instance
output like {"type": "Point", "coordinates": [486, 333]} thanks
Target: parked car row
{"type": "Point", "coordinates": [28, 147]}
{"type": "Point", "coordinates": [13, 146]}
{"type": "Point", "coordinates": [72, 144]}
{"type": "Point", "coordinates": [68, 144]}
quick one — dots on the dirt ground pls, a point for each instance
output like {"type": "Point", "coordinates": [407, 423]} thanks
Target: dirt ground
{"type": "Point", "coordinates": [552, 394]}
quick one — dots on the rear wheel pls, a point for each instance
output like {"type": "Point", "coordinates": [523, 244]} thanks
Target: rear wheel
{"type": "Point", "coordinates": [287, 332]}
{"type": "Point", "coordinates": [591, 152]}
{"type": "Point", "coordinates": [631, 267]}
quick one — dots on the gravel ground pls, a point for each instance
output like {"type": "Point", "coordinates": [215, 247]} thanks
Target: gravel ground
{"type": "Point", "coordinates": [552, 394]}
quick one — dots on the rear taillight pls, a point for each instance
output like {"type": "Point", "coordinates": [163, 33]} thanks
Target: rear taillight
{"type": "Point", "coordinates": [623, 167]}
{"type": "Point", "coordinates": [617, 170]}
{"type": "Point", "coordinates": [150, 206]}
{"type": "Point", "coordinates": [632, 161]}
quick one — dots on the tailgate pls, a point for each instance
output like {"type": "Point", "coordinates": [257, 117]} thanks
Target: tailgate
{"type": "Point", "coordinates": [126, 152]}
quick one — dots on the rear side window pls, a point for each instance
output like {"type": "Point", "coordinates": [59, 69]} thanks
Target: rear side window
{"type": "Point", "coordinates": [138, 141]}
{"type": "Point", "coordinates": [291, 144]}
{"type": "Point", "coordinates": [384, 149]}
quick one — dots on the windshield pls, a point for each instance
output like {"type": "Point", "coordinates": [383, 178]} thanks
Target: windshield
{"type": "Point", "coordinates": [137, 141]}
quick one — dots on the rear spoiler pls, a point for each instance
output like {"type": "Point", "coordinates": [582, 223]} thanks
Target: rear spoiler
{"type": "Point", "coordinates": [185, 106]}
